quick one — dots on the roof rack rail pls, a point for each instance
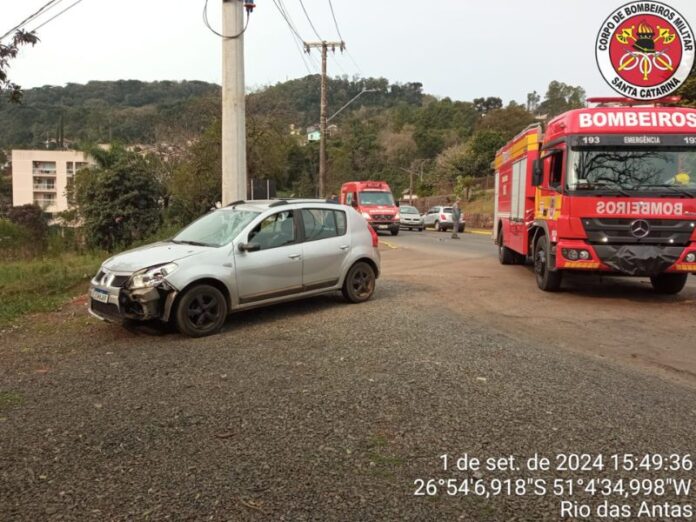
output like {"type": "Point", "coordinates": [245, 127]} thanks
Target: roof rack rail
{"type": "Point", "coordinates": [235, 203]}
{"type": "Point", "coordinates": [608, 101]}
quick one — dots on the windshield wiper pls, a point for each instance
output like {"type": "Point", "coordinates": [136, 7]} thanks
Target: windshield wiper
{"type": "Point", "coordinates": [194, 243]}
{"type": "Point", "coordinates": [611, 186]}
{"type": "Point", "coordinates": [674, 189]}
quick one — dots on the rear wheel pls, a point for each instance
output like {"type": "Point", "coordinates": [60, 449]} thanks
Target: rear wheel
{"type": "Point", "coordinates": [547, 280]}
{"type": "Point", "coordinates": [201, 311]}
{"type": "Point", "coordinates": [506, 256]}
{"type": "Point", "coordinates": [437, 227]}
{"type": "Point", "coordinates": [360, 283]}
{"type": "Point", "coordinates": [668, 284]}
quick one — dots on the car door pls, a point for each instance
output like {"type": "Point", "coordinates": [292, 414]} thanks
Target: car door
{"type": "Point", "coordinates": [325, 248]}
{"type": "Point", "coordinates": [429, 217]}
{"type": "Point", "coordinates": [274, 268]}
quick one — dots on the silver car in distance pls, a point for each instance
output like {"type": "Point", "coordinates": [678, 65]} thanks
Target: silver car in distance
{"type": "Point", "coordinates": [246, 255]}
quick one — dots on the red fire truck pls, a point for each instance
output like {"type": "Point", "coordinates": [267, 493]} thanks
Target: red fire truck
{"type": "Point", "coordinates": [611, 188]}
{"type": "Point", "coordinates": [374, 200]}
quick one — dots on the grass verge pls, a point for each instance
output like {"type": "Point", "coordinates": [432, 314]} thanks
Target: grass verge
{"type": "Point", "coordinates": [41, 285]}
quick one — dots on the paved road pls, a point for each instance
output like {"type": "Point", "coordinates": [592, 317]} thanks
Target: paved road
{"type": "Point", "coordinates": [321, 410]}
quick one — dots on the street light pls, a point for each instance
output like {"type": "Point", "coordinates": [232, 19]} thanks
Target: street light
{"type": "Point", "coordinates": [351, 101]}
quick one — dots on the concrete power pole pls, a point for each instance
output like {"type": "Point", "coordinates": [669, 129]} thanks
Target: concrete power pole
{"type": "Point", "coordinates": [234, 166]}
{"type": "Point", "coordinates": [324, 46]}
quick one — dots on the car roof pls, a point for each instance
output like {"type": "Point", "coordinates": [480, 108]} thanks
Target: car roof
{"type": "Point", "coordinates": [262, 205]}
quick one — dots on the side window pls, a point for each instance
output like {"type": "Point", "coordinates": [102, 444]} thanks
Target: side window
{"type": "Point", "coordinates": [275, 231]}
{"type": "Point", "coordinates": [323, 224]}
{"type": "Point", "coordinates": [556, 171]}
{"type": "Point", "coordinates": [349, 198]}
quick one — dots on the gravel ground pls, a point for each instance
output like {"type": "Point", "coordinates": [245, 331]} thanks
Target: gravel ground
{"type": "Point", "coordinates": [316, 410]}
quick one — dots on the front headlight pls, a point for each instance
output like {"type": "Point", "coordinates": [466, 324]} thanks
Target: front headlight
{"type": "Point", "coordinates": [153, 276]}
{"type": "Point", "coordinates": [398, 216]}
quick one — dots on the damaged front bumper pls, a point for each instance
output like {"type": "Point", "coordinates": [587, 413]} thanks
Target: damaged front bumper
{"type": "Point", "coordinates": [140, 304]}
{"type": "Point", "coordinates": [627, 259]}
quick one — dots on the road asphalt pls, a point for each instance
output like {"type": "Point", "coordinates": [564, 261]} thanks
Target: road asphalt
{"type": "Point", "coordinates": [321, 410]}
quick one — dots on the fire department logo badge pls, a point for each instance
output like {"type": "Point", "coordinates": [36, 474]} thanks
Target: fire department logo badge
{"type": "Point", "coordinates": [645, 50]}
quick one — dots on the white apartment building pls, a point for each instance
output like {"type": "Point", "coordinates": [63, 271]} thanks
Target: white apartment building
{"type": "Point", "coordinates": [41, 177]}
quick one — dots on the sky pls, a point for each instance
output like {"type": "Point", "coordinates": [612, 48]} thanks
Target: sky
{"type": "Point", "coordinates": [458, 48]}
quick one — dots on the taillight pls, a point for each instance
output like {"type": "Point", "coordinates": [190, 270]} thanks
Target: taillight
{"type": "Point", "coordinates": [443, 217]}
{"type": "Point", "coordinates": [375, 237]}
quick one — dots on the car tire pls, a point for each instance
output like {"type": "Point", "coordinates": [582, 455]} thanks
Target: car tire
{"type": "Point", "coordinates": [437, 226]}
{"type": "Point", "coordinates": [359, 285]}
{"type": "Point", "coordinates": [201, 311]}
{"type": "Point", "coordinates": [394, 231]}
{"type": "Point", "coordinates": [669, 284]}
{"type": "Point", "coordinates": [547, 280]}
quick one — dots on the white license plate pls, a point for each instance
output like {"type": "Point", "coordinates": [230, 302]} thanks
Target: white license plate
{"type": "Point", "coordinates": [382, 227]}
{"type": "Point", "coordinates": [99, 295]}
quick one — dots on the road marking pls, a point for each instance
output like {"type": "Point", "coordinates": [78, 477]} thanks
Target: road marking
{"type": "Point", "coordinates": [481, 232]}
{"type": "Point", "coordinates": [387, 243]}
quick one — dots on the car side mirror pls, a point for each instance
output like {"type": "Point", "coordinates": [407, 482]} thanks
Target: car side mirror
{"type": "Point", "coordinates": [537, 173]}
{"type": "Point", "coordinates": [354, 203]}
{"type": "Point", "coordinates": [397, 203]}
{"type": "Point", "coordinates": [249, 247]}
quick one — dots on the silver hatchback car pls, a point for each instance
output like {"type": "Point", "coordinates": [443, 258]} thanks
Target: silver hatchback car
{"type": "Point", "coordinates": [246, 255]}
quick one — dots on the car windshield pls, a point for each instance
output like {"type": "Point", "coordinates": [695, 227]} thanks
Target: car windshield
{"type": "Point", "coordinates": [621, 170]}
{"type": "Point", "coordinates": [216, 228]}
{"type": "Point", "coordinates": [376, 198]}
{"type": "Point", "coordinates": [409, 210]}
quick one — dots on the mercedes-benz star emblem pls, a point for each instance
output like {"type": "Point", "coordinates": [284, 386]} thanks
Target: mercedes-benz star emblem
{"type": "Point", "coordinates": [640, 228]}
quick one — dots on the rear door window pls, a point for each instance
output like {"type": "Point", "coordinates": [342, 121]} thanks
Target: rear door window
{"type": "Point", "coordinates": [323, 223]}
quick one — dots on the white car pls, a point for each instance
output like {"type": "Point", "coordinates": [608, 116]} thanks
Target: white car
{"type": "Point", "coordinates": [440, 218]}
{"type": "Point", "coordinates": [246, 255]}
{"type": "Point", "coordinates": [410, 218]}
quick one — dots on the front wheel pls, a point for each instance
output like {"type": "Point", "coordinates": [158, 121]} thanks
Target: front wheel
{"type": "Point", "coordinates": [394, 231]}
{"type": "Point", "coordinates": [202, 310]}
{"type": "Point", "coordinates": [668, 284]}
{"type": "Point", "coordinates": [360, 283]}
{"type": "Point", "coordinates": [547, 279]}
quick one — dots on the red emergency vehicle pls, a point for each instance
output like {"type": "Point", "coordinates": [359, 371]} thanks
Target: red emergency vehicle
{"type": "Point", "coordinates": [611, 188]}
{"type": "Point", "coordinates": [374, 200]}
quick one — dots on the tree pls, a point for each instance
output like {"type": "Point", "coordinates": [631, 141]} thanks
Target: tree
{"type": "Point", "coordinates": [560, 98]}
{"type": "Point", "coordinates": [533, 100]}
{"type": "Point", "coordinates": [484, 105]}
{"type": "Point", "coordinates": [5, 185]}
{"type": "Point", "coordinates": [7, 53]}
{"type": "Point", "coordinates": [118, 200]}
{"type": "Point", "coordinates": [688, 90]}
{"type": "Point", "coordinates": [506, 122]}
{"type": "Point", "coordinates": [196, 184]}
{"type": "Point", "coordinates": [32, 219]}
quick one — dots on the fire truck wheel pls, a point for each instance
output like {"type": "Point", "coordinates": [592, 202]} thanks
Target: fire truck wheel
{"type": "Point", "coordinates": [668, 284]}
{"type": "Point", "coordinates": [395, 231]}
{"type": "Point", "coordinates": [506, 256]}
{"type": "Point", "coordinates": [547, 280]}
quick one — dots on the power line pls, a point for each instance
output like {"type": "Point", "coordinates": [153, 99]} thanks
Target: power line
{"type": "Point", "coordinates": [333, 15]}
{"type": "Point", "coordinates": [297, 38]}
{"type": "Point", "coordinates": [31, 17]}
{"type": "Point", "coordinates": [310, 20]}
{"type": "Point", "coordinates": [56, 16]}
{"type": "Point", "coordinates": [210, 27]}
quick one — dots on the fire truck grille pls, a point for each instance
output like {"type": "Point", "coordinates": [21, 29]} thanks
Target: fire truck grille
{"type": "Point", "coordinates": [620, 231]}
{"type": "Point", "coordinates": [382, 217]}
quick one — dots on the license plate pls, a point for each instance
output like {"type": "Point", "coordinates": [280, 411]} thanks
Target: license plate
{"type": "Point", "coordinates": [99, 295]}
{"type": "Point", "coordinates": [382, 227]}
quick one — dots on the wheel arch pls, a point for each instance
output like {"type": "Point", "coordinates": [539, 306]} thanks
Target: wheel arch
{"type": "Point", "coordinates": [216, 283]}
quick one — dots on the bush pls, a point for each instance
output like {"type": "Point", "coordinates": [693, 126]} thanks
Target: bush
{"type": "Point", "coordinates": [32, 219]}
{"type": "Point", "coordinates": [16, 242]}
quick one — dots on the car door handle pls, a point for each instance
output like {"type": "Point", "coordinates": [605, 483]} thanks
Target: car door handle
{"type": "Point", "coordinates": [344, 247]}
{"type": "Point", "coordinates": [294, 256]}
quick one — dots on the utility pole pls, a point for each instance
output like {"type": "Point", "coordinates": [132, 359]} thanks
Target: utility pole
{"type": "Point", "coordinates": [234, 167]}
{"type": "Point", "coordinates": [323, 124]}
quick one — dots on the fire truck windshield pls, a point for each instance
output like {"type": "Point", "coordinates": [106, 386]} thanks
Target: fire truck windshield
{"type": "Point", "coordinates": [376, 198]}
{"type": "Point", "coordinates": [664, 171]}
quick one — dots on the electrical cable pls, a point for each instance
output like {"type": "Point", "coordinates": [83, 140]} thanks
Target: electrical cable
{"type": "Point", "coordinates": [297, 38]}
{"type": "Point", "coordinates": [333, 15]}
{"type": "Point", "coordinates": [55, 16]}
{"type": "Point", "coordinates": [310, 20]}
{"type": "Point", "coordinates": [31, 17]}
{"type": "Point", "coordinates": [207, 24]}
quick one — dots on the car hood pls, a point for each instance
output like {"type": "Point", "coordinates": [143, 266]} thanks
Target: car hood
{"type": "Point", "coordinates": [151, 255]}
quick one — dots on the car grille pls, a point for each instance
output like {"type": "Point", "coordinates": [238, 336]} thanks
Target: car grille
{"type": "Point", "coordinates": [104, 308]}
{"type": "Point", "coordinates": [617, 231]}
{"type": "Point", "coordinates": [116, 281]}
{"type": "Point", "coordinates": [382, 217]}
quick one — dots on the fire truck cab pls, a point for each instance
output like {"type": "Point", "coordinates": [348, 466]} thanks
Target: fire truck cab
{"type": "Point", "coordinates": [374, 200]}
{"type": "Point", "coordinates": [610, 188]}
